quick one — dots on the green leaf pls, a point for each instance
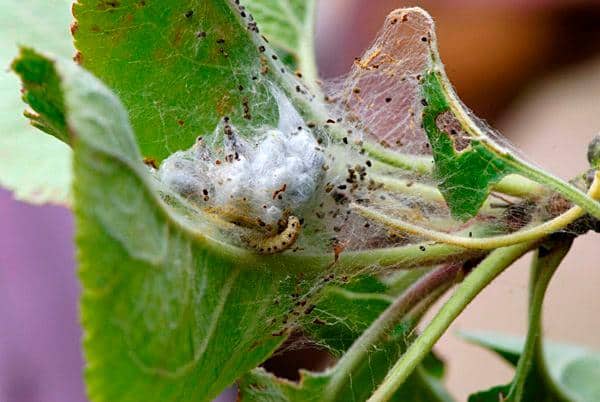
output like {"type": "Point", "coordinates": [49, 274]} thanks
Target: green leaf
{"type": "Point", "coordinates": [166, 300]}
{"type": "Point", "coordinates": [42, 92]}
{"type": "Point", "coordinates": [574, 370]}
{"type": "Point", "coordinates": [469, 157]}
{"type": "Point", "coordinates": [289, 27]}
{"type": "Point", "coordinates": [341, 316]}
{"type": "Point", "coordinates": [581, 378]}
{"type": "Point", "coordinates": [494, 394]}
{"type": "Point", "coordinates": [178, 66]}
{"type": "Point", "coordinates": [465, 175]}
{"type": "Point", "coordinates": [401, 75]}
{"type": "Point", "coordinates": [35, 167]}
{"type": "Point", "coordinates": [506, 346]}
{"type": "Point", "coordinates": [286, 24]}
{"type": "Point", "coordinates": [260, 386]}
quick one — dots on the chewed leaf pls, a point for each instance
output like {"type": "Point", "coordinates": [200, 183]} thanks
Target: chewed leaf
{"type": "Point", "coordinates": [399, 95]}
{"type": "Point", "coordinates": [382, 91]}
{"type": "Point", "coordinates": [465, 166]}
{"type": "Point", "coordinates": [166, 299]}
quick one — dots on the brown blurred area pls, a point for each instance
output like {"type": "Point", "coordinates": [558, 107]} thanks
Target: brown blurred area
{"type": "Point", "coordinates": [532, 69]}
{"type": "Point", "coordinates": [493, 50]}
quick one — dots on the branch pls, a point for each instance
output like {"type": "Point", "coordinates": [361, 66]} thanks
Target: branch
{"type": "Point", "coordinates": [542, 269]}
{"type": "Point", "coordinates": [486, 243]}
{"type": "Point", "coordinates": [434, 281]}
{"type": "Point", "coordinates": [475, 282]}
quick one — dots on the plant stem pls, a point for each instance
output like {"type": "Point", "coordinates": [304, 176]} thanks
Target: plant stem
{"type": "Point", "coordinates": [402, 258]}
{"type": "Point", "coordinates": [474, 283]}
{"type": "Point", "coordinates": [542, 269]}
{"type": "Point", "coordinates": [481, 243]}
{"type": "Point", "coordinates": [512, 184]}
{"type": "Point", "coordinates": [571, 193]}
{"type": "Point", "coordinates": [429, 283]}
{"type": "Point", "coordinates": [306, 49]}
{"type": "Point", "coordinates": [415, 255]}
{"type": "Point", "coordinates": [427, 192]}
{"type": "Point", "coordinates": [409, 187]}
{"type": "Point", "coordinates": [520, 186]}
{"type": "Point", "coordinates": [414, 163]}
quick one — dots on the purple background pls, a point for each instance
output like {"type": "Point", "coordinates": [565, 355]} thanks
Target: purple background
{"type": "Point", "coordinates": [39, 332]}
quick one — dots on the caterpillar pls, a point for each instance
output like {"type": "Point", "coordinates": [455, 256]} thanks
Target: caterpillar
{"type": "Point", "coordinates": [280, 241]}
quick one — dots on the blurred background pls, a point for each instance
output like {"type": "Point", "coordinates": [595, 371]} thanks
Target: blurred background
{"type": "Point", "coordinates": [531, 68]}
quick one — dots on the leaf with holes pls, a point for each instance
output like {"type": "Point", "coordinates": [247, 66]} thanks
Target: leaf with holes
{"type": "Point", "coordinates": [401, 75]}
{"type": "Point", "coordinates": [466, 167]}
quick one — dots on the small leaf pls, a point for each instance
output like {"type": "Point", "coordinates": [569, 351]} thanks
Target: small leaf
{"type": "Point", "coordinates": [494, 394]}
{"type": "Point", "coordinates": [287, 24]}
{"type": "Point", "coordinates": [35, 167]}
{"type": "Point", "coordinates": [574, 370]}
{"type": "Point", "coordinates": [42, 92]}
{"type": "Point", "coordinates": [465, 174]}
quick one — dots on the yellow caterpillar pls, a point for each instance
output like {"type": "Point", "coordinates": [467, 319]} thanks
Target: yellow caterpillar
{"type": "Point", "coordinates": [280, 241]}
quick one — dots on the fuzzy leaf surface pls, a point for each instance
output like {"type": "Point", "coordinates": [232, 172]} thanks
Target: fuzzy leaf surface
{"type": "Point", "coordinates": [165, 301]}
{"type": "Point", "coordinates": [341, 315]}
{"type": "Point", "coordinates": [178, 66]}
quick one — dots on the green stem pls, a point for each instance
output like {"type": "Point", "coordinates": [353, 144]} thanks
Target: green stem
{"type": "Point", "coordinates": [401, 258]}
{"type": "Point", "coordinates": [409, 187]}
{"type": "Point", "coordinates": [570, 192]}
{"type": "Point", "coordinates": [519, 186]}
{"type": "Point", "coordinates": [481, 243]}
{"type": "Point", "coordinates": [306, 49]}
{"type": "Point", "coordinates": [415, 255]}
{"type": "Point", "coordinates": [442, 277]}
{"type": "Point", "coordinates": [414, 163]}
{"type": "Point", "coordinates": [542, 269]}
{"type": "Point", "coordinates": [486, 243]}
{"type": "Point", "coordinates": [475, 282]}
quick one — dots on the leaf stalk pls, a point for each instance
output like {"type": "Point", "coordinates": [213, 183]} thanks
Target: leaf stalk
{"type": "Point", "coordinates": [473, 284]}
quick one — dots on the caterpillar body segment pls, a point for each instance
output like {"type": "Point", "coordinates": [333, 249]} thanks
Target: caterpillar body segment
{"type": "Point", "coordinates": [280, 241]}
